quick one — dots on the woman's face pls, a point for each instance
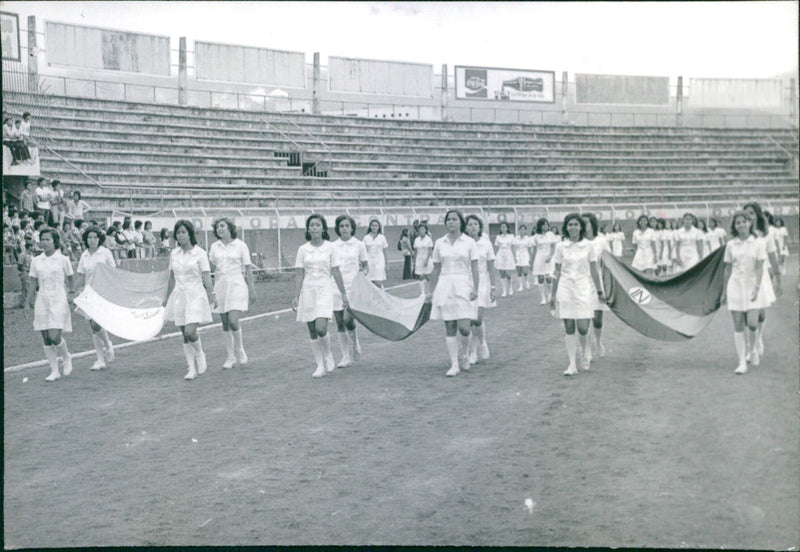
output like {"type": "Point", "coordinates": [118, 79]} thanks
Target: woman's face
{"type": "Point", "coordinates": [473, 228]}
{"type": "Point", "coordinates": [742, 226]}
{"type": "Point", "coordinates": [503, 228]}
{"type": "Point", "coordinates": [76, 197]}
{"type": "Point", "coordinates": [653, 222]}
{"type": "Point", "coordinates": [345, 230]}
{"type": "Point", "coordinates": [452, 223]}
{"type": "Point", "coordinates": [574, 228]}
{"type": "Point", "coordinates": [315, 228]}
{"type": "Point", "coordinates": [642, 223]}
{"type": "Point", "coordinates": [223, 231]}
{"type": "Point", "coordinates": [545, 226]}
{"type": "Point", "coordinates": [751, 212]}
{"type": "Point", "coordinates": [46, 243]}
{"type": "Point", "coordinates": [423, 231]}
{"type": "Point", "coordinates": [93, 240]}
{"type": "Point", "coordinates": [523, 230]}
{"type": "Point", "coordinates": [374, 227]}
{"type": "Point", "coordinates": [182, 236]}
{"type": "Point", "coordinates": [687, 221]}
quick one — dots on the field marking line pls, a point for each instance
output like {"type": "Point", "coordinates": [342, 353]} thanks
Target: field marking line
{"type": "Point", "coordinates": [213, 326]}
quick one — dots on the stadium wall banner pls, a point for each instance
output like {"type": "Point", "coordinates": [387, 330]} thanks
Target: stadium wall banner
{"type": "Point", "coordinates": [99, 48]}
{"type": "Point", "coordinates": [369, 76]}
{"type": "Point", "coordinates": [9, 28]}
{"type": "Point", "coordinates": [735, 93]}
{"type": "Point", "coordinates": [516, 85]}
{"type": "Point", "coordinates": [621, 89]}
{"type": "Point", "coordinates": [232, 63]}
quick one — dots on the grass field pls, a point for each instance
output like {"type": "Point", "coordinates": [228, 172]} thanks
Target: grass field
{"type": "Point", "coordinates": [659, 445]}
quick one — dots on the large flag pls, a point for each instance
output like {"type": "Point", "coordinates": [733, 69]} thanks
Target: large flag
{"type": "Point", "coordinates": [671, 309]}
{"type": "Point", "coordinates": [385, 315]}
{"type": "Point", "coordinates": [127, 304]}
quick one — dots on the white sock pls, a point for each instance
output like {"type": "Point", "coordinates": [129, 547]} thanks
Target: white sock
{"type": "Point", "coordinates": [741, 347]}
{"type": "Point", "coordinates": [104, 334]}
{"type": "Point", "coordinates": [228, 338]}
{"type": "Point", "coordinates": [760, 331]}
{"type": "Point", "coordinates": [238, 345]}
{"type": "Point", "coordinates": [752, 339]}
{"type": "Point", "coordinates": [99, 345]}
{"type": "Point", "coordinates": [62, 349]}
{"type": "Point", "coordinates": [452, 349]}
{"type": "Point", "coordinates": [52, 358]}
{"type": "Point", "coordinates": [344, 345]}
{"type": "Point", "coordinates": [472, 348]}
{"type": "Point", "coordinates": [463, 346]}
{"type": "Point", "coordinates": [582, 340]}
{"type": "Point", "coordinates": [572, 347]}
{"type": "Point", "coordinates": [189, 352]}
{"type": "Point", "coordinates": [197, 346]}
{"type": "Point", "coordinates": [316, 348]}
{"type": "Point", "coordinates": [354, 342]}
{"type": "Point", "coordinates": [480, 334]}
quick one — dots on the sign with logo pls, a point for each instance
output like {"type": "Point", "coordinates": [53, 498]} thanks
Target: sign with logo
{"type": "Point", "coordinates": [640, 295]}
{"type": "Point", "coordinates": [516, 85]}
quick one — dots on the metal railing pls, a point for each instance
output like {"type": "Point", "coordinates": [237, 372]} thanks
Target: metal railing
{"type": "Point", "coordinates": [71, 164]}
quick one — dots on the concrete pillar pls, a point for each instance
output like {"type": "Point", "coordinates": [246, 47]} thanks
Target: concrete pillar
{"type": "Point", "coordinates": [793, 101]}
{"type": "Point", "coordinates": [315, 86]}
{"type": "Point", "coordinates": [182, 78]}
{"type": "Point", "coordinates": [679, 103]}
{"type": "Point", "coordinates": [33, 57]}
{"type": "Point", "coordinates": [444, 92]}
{"type": "Point", "coordinates": [564, 94]}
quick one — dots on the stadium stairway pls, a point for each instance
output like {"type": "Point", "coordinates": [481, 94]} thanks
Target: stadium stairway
{"type": "Point", "coordinates": [148, 156]}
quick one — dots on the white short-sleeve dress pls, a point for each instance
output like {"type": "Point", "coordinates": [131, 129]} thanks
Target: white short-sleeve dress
{"type": "Point", "coordinates": [188, 302]}
{"type": "Point", "coordinates": [89, 261]}
{"type": "Point", "coordinates": [376, 259]}
{"type": "Point", "coordinates": [451, 297]}
{"type": "Point", "coordinates": [424, 250]}
{"type": "Point", "coordinates": [485, 254]}
{"type": "Point", "coordinates": [644, 258]}
{"type": "Point", "coordinates": [617, 243]}
{"type": "Point", "coordinates": [743, 256]}
{"type": "Point", "coordinates": [686, 243]}
{"type": "Point", "coordinates": [766, 282]}
{"type": "Point", "coordinates": [600, 244]}
{"type": "Point", "coordinates": [716, 238]}
{"type": "Point", "coordinates": [316, 295]}
{"type": "Point", "coordinates": [783, 237]}
{"type": "Point", "coordinates": [522, 253]}
{"type": "Point", "coordinates": [230, 287]}
{"type": "Point", "coordinates": [665, 249]}
{"type": "Point", "coordinates": [351, 254]}
{"type": "Point", "coordinates": [51, 309]}
{"type": "Point", "coordinates": [576, 296]}
{"type": "Point", "coordinates": [504, 254]}
{"type": "Point", "coordinates": [543, 243]}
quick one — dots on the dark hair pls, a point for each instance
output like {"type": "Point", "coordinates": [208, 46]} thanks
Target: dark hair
{"type": "Point", "coordinates": [577, 216]}
{"type": "Point", "coordinates": [638, 220]}
{"type": "Point", "coordinates": [404, 233]}
{"type": "Point", "coordinates": [617, 227]}
{"type": "Point", "coordinates": [77, 223]}
{"type": "Point", "coordinates": [229, 223]}
{"type": "Point", "coordinates": [480, 223]}
{"type": "Point", "coordinates": [715, 221]}
{"type": "Point", "coordinates": [424, 225]}
{"type": "Point", "coordinates": [23, 224]}
{"type": "Point", "coordinates": [76, 192]}
{"type": "Point", "coordinates": [460, 217]}
{"type": "Point", "coordinates": [769, 217]}
{"type": "Point", "coordinates": [521, 226]}
{"type": "Point", "coordinates": [126, 224]}
{"type": "Point", "coordinates": [500, 227]}
{"type": "Point", "coordinates": [38, 224]}
{"type": "Point", "coordinates": [40, 180]}
{"type": "Point", "coordinates": [150, 222]}
{"type": "Point", "coordinates": [97, 232]}
{"type": "Point", "coordinates": [663, 223]}
{"type": "Point", "coordinates": [761, 222]}
{"type": "Point", "coordinates": [779, 222]}
{"type": "Point", "coordinates": [26, 114]}
{"type": "Point", "coordinates": [704, 228]}
{"type": "Point", "coordinates": [186, 224]}
{"type": "Point", "coordinates": [541, 222]}
{"type": "Point", "coordinates": [319, 217]}
{"type": "Point", "coordinates": [54, 183]}
{"type": "Point", "coordinates": [111, 230]}
{"type": "Point", "coordinates": [694, 218]}
{"type": "Point", "coordinates": [163, 234]}
{"type": "Point", "coordinates": [116, 224]}
{"type": "Point", "coordinates": [137, 224]}
{"type": "Point", "coordinates": [53, 232]}
{"type": "Point", "coordinates": [342, 218]}
{"type": "Point", "coordinates": [736, 215]}
{"type": "Point", "coordinates": [592, 222]}
{"type": "Point", "coordinates": [369, 226]}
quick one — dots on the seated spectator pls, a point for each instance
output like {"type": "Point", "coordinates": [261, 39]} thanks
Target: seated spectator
{"type": "Point", "coordinates": [37, 225]}
{"type": "Point", "coordinates": [25, 129]}
{"type": "Point", "coordinates": [58, 204]}
{"type": "Point", "coordinates": [77, 208]}
{"type": "Point", "coordinates": [149, 239]}
{"type": "Point", "coordinates": [13, 216]}
{"type": "Point", "coordinates": [27, 199]}
{"type": "Point", "coordinates": [14, 142]}
{"type": "Point", "coordinates": [43, 194]}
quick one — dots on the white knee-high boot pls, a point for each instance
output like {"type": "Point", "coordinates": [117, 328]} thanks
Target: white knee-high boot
{"type": "Point", "coordinates": [99, 349]}
{"type": "Point", "coordinates": [344, 345]}
{"type": "Point", "coordinates": [238, 346]}
{"type": "Point", "coordinates": [230, 357]}
{"type": "Point", "coordinates": [452, 351]}
{"type": "Point", "coordinates": [759, 345]}
{"type": "Point", "coordinates": [586, 349]}
{"type": "Point", "coordinates": [109, 346]}
{"type": "Point", "coordinates": [472, 347]}
{"type": "Point", "coordinates": [480, 334]}
{"type": "Point", "coordinates": [199, 355]}
{"type": "Point", "coordinates": [189, 353]}
{"type": "Point", "coordinates": [330, 365]}
{"type": "Point", "coordinates": [356, 352]}
{"type": "Point", "coordinates": [61, 348]}
{"type": "Point", "coordinates": [463, 351]}
{"type": "Point", "coordinates": [739, 340]}
{"type": "Point", "coordinates": [316, 348]}
{"type": "Point", "coordinates": [571, 341]}
{"type": "Point", "coordinates": [52, 359]}
{"type": "Point", "coordinates": [755, 356]}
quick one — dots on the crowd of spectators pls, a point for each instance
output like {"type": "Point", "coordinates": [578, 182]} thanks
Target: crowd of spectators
{"type": "Point", "coordinates": [17, 137]}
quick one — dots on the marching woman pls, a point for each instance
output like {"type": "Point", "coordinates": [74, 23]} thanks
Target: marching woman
{"type": "Point", "coordinates": [716, 235]}
{"type": "Point", "coordinates": [783, 238]}
{"type": "Point", "coordinates": [701, 225]}
{"type": "Point", "coordinates": [423, 253]}
{"type": "Point", "coordinates": [313, 293]}
{"type": "Point", "coordinates": [454, 288]}
{"type": "Point", "coordinates": [230, 258]}
{"type": "Point", "coordinates": [644, 240]}
{"type": "Point", "coordinates": [93, 255]}
{"type": "Point", "coordinates": [522, 256]}
{"type": "Point", "coordinates": [478, 349]}
{"type": "Point", "coordinates": [404, 245]}
{"type": "Point", "coordinates": [772, 271]}
{"type": "Point", "coordinates": [505, 263]}
{"type": "Point", "coordinates": [664, 247]}
{"type": "Point", "coordinates": [375, 243]}
{"type": "Point", "coordinates": [544, 247]}
{"type": "Point", "coordinates": [189, 294]}
{"type": "Point", "coordinates": [745, 257]}
{"type": "Point", "coordinates": [774, 233]}
{"type": "Point", "coordinates": [617, 239]}
{"type": "Point", "coordinates": [576, 288]}
{"type": "Point", "coordinates": [352, 255]}
{"type": "Point", "coordinates": [600, 244]}
{"type": "Point", "coordinates": [51, 314]}
{"type": "Point", "coordinates": [688, 243]}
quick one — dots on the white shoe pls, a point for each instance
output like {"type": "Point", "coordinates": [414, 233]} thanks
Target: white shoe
{"type": "Point", "coordinates": [453, 371]}
{"type": "Point", "coordinates": [741, 369]}
{"type": "Point", "coordinates": [543, 301]}
{"type": "Point", "coordinates": [473, 358]}
{"type": "Point", "coordinates": [98, 365]}
{"type": "Point", "coordinates": [571, 370]}
{"type": "Point", "coordinates": [319, 372]}
{"type": "Point", "coordinates": [755, 359]}
{"type": "Point", "coordinates": [483, 352]}
{"type": "Point", "coordinates": [241, 356]}
{"type": "Point", "coordinates": [191, 374]}
{"type": "Point", "coordinates": [520, 288]}
{"type": "Point", "coordinates": [344, 363]}
{"type": "Point", "coordinates": [201, 363]}
{"type": "Point", "coordinates": [356, 351]}
{"type": "Point", "coordinates": [53, 376]}
{"type": "Point", "coordinates": [503, 294]}
{"type": "Point", "coordinates": [228, 364]}
{"type": "Point", "coordinates": [67, 365]}
{"type": "Point", "coordinates": [586, 362]}
{"type": "Point", "coordinates": [602, 348]}
{"type": "Point", "coordinates": [759, 348]}
{"type": "Point", "coordinates": [748, 356]}
{"type": "Point", "coordinates": [511, 291]}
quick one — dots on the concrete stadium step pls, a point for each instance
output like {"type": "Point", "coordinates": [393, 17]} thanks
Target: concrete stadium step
{"type": "Point", "coordinates": [136, 166]}
{"type": "Point", "coordinates": [265, 158]}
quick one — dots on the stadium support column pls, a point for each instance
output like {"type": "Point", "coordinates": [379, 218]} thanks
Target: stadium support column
{"type": "Point", "coordinates": [33, 57]}
{"type": "Point", "coordinates": [182, 71]}
{"type": "Point", "coordinates": [564, 92]}
{"type": "Point", "coordinates": [315, 85]}
{"type": "Point", "coordinates": [444, 92]}
{"type": "Point", "coordinates": [679, 103]}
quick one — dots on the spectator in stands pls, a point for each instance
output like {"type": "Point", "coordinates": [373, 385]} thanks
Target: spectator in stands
{"type": "Point", "coordinates": [25, 129]}
{"type": "Point", "coordinates": [375, 242]}
{"type": "Point", "coordinates": [783, 237]}
{"type": "Point", "coordinates": [138, 239]}
{"type": "Point", "coordinates": [163, 242]}
{"type": "Point", "coordinates": [66, 242]}
{"type": "Point", "coordinates": [111, 242]}
{"type": "Point", "coordinates": [77, 209]}
{"type": "Point", "coordinates": [27, 200]}
{"type": "Point", "coordinates": [24, 258]}
{"type": "Point", "coordinates": [38, 225]}
{"type": "Point", "coordinates": [404, 245]}
{"type": "Point", "coordinates": [9, 256]}
{"type": "Point", "coordinates": [43, 194]}
{"type": "Point", "coordinates": [13, 141]}
{"type": "Point", "coordinates": [149, 240]}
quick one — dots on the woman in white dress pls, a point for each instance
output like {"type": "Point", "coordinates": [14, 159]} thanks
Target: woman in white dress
{"type": "Point", "coordinates": [576, 288]}
{"type": "Point", "coordinates": [617, 240]}
{"type": "Point", "coordinates": [716, 234]}
{"type": "Point", "coordinates": [313, 299]}
{"type": "Point", "coordinates": [745, 257]}
{"type": "Point", "coordinates": [689, 243]}
{"type": "Point", "coordinates": [96, 254]}
{"type": "Point", "coordinates": [423, 255]}
{"type": "Point", "coordinates": [190, 294]}
{"type": "Point", "coordinates": [352, 255]}
{"type": "Point", "coordinates": [230, 258]}
{"type": "Point", "coordinates": [522, 257]}
{"type": "Point", "coordinates": [664, 247]}
{"type": "Point", "coordinates": [454, 288]}
{"type": "Point", "coordinates": [543, 244]}
{"type": "Point", "coordinates": [771, 280]}
{"type": "Point", "coordinates": [701, 225]}
{"type": "Point", "coordinates": [599, 243]}
{"type": "Point", "coordinates": [644, 241]}
{"type": "Point", "coordinates": [51, 314]}
{"type": "Point", "coordinates": [478, 349]}
{"type": "Point", "coordinates": [375, 242]}
{"type": "Point", "coordinates": [783, 236]}
{"type": "Point", "coordinates": [505, 263]}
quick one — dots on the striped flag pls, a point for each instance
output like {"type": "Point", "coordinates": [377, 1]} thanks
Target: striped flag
{"type": "Point", "coordinates": [672, 309]}
{"type": "Point", "coordinates": [385, 315]}
{"type": "Point", "coordinates": [127, 304]}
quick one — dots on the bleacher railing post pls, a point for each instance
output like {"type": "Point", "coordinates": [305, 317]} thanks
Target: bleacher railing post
{"type": "Point", "coordinates": [33, 58]}
{"type": "Point", "coordinates": [315, 85]}
{"type": "Point", "coordinates": [182, 71]}
{"type": "Point", "coordinates": [679, 103]}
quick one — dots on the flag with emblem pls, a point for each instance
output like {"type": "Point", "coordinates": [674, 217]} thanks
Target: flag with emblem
{"type": "Point", "coordinates": [671, 309]}
{"type": "Point", "coordinates": [386, 315]}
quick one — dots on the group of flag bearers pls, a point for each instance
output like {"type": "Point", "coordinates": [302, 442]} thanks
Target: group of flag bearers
{"type": "Point", "coordinates": [459, 277]}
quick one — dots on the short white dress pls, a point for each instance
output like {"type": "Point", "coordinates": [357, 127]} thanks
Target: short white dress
{"type": "Point", "coordinates": [89, 261]}
{"type": "Point", "coordinates": [644, 258]}
{"type": "Point", "coordinates": [617, 243]}
{"type": "Point", "coordinates": [351, 254]}
{"type": "Point", "coordinates": [504, 254]}
{"type": "Point", "coordinates": [316, 295]}
{"type": "Point", "coordinates": [230, 287]}
{"type": "Point", "coordinates": [783, 238]}
{"type": "Point", "coordinates": [485, 254]}
{"type": "Point", "coordinates": [522, 251]}
{"type": "Point", "coordinates": [716, 238]}
{"type": "Point", "coordinates": [451, 297]}
{"type": "Point", "coordinates": [424, 249]}
{"type": "Point", "coordinates": [51, 309]}
{"type": "Point", "coordinates": [376, 258]}
{"type": "Point", "coordinates": [686, 244]}
{"type": "Point", "coordinates": [743, 256]}
{"type": "Point", "coordinates": [600, 244]}
{"type": "Point", "coordinates": [543, 244]}
{"type": "Point", "coordinates": [766, 282]}
{"type": "Point", "coordinates": [188, 302]}
{"type": "Point", "coordinates": [664, 247]}
{"type": "Point", "coordinates": [576, 297]}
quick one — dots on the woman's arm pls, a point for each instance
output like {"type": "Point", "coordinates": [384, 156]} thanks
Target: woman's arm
{"type": "Point", "coordinates": [776, 273]}
{"type": "Point", "coordinates": [492, 277]}
{"type": "Point", "coordinates": [476, 279]}
{"type": "Point", "coordinates": [299, 275]}
{"type": "Point", "coordinates": [170, 287]}
{"type": "Point", "coordinates": [32, 283]}
{"type": "Point", "coordinates": [759, 276]}
{"type": "Point", "coordinates": [248, 276]}
{"type": "Point", "coordinates": [437, 269]}
{"type": "Point", "coordinates": [598, 283]}
{"type": "Point", "coordinates": [727, 276]}
{"type": "Point", "coordinates": [699, 245]}
{"type": "Point", "coordinates": [556, 278]}
{"type": "Point", "coordinates": [337, 277]}
{"type": "Point", "coordinates": [552, 252]}
{"type": "Point", "coordinates": [209, 285]}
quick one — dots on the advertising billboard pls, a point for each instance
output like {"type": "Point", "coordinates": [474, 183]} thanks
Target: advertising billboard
{"type": "Point", "coordinates": [516, 85]}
